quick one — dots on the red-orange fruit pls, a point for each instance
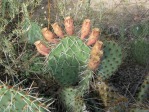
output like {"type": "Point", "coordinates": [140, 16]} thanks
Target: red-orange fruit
{"type": "Point", "coordinates": [69, 26]}
{"type": "Point", "coordinates": [58, 30]}
{"type": "Point", "coordinates": [85, 28]}
{"type": "Point", "coordinates": [41, 48]}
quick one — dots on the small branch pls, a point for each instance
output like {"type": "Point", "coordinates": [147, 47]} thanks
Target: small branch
{"type": "Point", "coordinates": [49, 13]}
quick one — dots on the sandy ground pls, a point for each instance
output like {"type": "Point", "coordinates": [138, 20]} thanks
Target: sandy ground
{"type": "Point", "coordinates": [110, 4]}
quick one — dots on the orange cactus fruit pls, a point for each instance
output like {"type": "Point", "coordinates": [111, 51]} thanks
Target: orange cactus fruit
{"type": "Point", "coordinates": [95, 61]}
{"type": "Point", "coordinates": [58, 30]}
{"type": "Point", "coordinates": [96, 48]}
{"type": "Point", "coordinates": [93, 36]}
{"type": "Point", "coordinates": [48, 35]}
{"type": "Point", "coordinates": [41, 48]}
{"type": "Point", "coordinates": [96, 54]}
{"type": "Point", "coordinates": [85, 28]}
{"type": "Point", "coordinates": [69, 26]}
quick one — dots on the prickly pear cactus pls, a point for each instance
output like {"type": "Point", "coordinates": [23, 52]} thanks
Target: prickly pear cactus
{"type": "Point", "coordinates": [16, 100]}
{"type": "Point", "coordinates": [73, 100]}
{"type": "Point", "coordinates": [111, 60]}
{"type": "Point", "coordinates": [142, 98]}
{"type": "Point", "coordinates": [140, 51]}
{"type": "Point", "coordinates": [34, 30]}
{"type": "Point", "coordinates": [109, 95]}
{"type": "Point", "coordinates": [68, 60]}
{"type": "Point", "coordinates": [73, 61]}
{"type": "Point", "coordinates": [143, 95]}
{"type": "Point", "coordinates": [71, 56]}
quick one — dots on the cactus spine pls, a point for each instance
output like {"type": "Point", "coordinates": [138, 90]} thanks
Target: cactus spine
{"type": "Point", "coordinates": [13, 100]}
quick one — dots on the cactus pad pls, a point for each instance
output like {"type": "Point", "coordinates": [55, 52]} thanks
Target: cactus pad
{"type": "Point", "coordinates": [12, 100]}
{"type": "Point", "coordinates": [144, 92]}
{"type": "Point", "coordinates": [68, 59]}
{"type": "Point", "coordinates": [112, 58]}
{"type": "Point", "coordinates": [72, 100]}
{"type": "Point", "coordinates": [140, 51]}
{"type": "Point", "coordinates": [109, 95]}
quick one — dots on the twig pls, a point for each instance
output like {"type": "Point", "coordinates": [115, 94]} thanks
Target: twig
{"type": "Point", "coordinates": [49, 14]}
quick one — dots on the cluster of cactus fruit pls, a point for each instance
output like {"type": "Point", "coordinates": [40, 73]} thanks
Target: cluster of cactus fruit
{"type": "Point", "coordinates": [77, 65]}
{"type": "Point", "coordinates": [74, 61]}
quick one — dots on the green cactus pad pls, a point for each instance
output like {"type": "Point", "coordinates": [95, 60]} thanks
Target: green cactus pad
{"type": "Point", "coordinates": [144, 92]}
{"type": "Point", "coordinates": [68, 59]}
{"type": "Point", "coordinates": [112, 58]}
{"type": "Point", "coordinates": [12, 100]}
{"type": "Point", "coordinates": [140, 51]}
{"type": "Point", "coordinates": [32, 30]}
{"type": "Point", "coordinates": [72, 100]}
{"type": "Point", "coordinates": [32, 63]}
{"type": "Point", "coordinates": [86, 77]}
